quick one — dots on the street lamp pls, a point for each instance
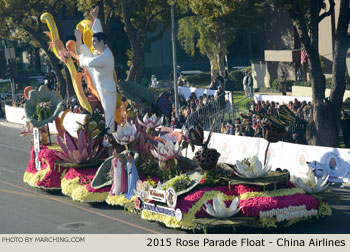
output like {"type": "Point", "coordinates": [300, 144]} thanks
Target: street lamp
{"type": "Point", "coordinates": [173, 40]}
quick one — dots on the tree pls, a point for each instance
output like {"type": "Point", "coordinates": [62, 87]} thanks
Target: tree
{"type": "Point", "coordinates": [140, 19]}
{"type": "Point", "coordinates": [20, 20]}
{"type": "Point", "coordinates": [323, 129]}
{"type": "Point", "coordinates": [215, 26]}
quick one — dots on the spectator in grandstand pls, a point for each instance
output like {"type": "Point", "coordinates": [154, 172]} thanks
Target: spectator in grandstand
{"type": "Point", "coordinates": [249, 130]}
{"type": "Point", "coordinates": [229, 129]}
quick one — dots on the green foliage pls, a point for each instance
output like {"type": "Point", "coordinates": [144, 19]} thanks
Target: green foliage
{"type": "Point", "coordinates": [328, 83]}
{"type": "Point", "coordinates": [140, 18]}
{"type": "Point", "coordinates": [236, 79]}
{"type": "Point", "coordinates": [22, 18]}
{"type": "Point", "coordinates": [179, 183]}
{"type": "Point", "coordinates": [201, 78]}
{"type": "Point", "coordinates": [4, 87]}
{"type": "Point", "coordinates": [42, 111]}
{"type": "Point", "coordinates": [269, 90]}
{"type": "Point", "coordinates": [148, 168]}
{"type": "Point", "coordinates": [276, 84]}
{"type": "Point", "coordinates": [214, 27]}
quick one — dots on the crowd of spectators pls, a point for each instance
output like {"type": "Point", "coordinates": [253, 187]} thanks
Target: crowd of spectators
{"type": "Point", "coordinates": [250, 124]}
{"type": "Point", "coordinates": [74, 106]}
{"type": "Point", "coordinates": [19, 101]}
{"type": "Point", "coordinates": [189, 106]}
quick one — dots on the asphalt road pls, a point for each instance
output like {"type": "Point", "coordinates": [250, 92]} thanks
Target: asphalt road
{"type": "Point", "coordinates": [30, 211]}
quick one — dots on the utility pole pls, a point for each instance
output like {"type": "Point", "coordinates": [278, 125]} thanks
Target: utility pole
{"type": "Point", "coordinates": [173, 40]}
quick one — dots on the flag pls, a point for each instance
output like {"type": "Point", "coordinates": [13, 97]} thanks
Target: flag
{"type": "Point", "coordinates": [303, 57]}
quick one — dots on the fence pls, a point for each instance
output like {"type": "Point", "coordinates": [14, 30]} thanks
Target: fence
{"type": "Point", "coordinates": [216, 109]}
{"type": "Point", "coordinates": [242, 106]}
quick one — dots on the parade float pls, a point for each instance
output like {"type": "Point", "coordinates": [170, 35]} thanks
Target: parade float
{"type": "Point", "coordinates": [147, 172]}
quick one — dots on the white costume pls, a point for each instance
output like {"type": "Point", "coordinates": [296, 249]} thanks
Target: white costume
{"type": "Point", "coordinates": [101, 69]}
{"type": "Point", "coordinates": [117, 177]}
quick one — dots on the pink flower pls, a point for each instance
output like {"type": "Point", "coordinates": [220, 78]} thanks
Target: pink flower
{"type": "Point", "coordinates": [150, 122]}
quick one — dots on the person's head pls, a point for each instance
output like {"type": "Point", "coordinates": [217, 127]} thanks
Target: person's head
{"type": "Point", "coordinates": [131, 155]}
{"type": "Point", "coordinates": [98, 41]}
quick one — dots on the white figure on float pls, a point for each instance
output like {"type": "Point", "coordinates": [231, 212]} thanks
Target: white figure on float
{"type": "Point", "coordinates": [120, 182]}
{"type": "Point", "coordinates": [100, 65]}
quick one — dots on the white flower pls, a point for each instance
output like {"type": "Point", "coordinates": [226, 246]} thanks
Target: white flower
{"type": "Point", "coordinates": [313, 185]}
{"type": "Point", "coordinates": [255, 170]}
{"type": "Point", "coordinates": [125, 134]}
{"type": "Point", "coordinates": [166, 151]}
{"type": "Point", "coordinates": [151, 122]}
{"type": "Point", "coordinates": [219, 209]}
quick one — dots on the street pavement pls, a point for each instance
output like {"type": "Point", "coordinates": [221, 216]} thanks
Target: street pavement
{"type": "Point", "coordinates": [33, 211]}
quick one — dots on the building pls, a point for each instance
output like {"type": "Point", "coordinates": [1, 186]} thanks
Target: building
{"type": "Point", "coordinates": [283, 47]}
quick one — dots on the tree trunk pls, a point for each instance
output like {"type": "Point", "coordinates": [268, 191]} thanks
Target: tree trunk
{"type": "Point", "coordinates": [221, 63]}
{"type": "Point", "coordinates": [342, 41]}
{"type": "Point", "coordinates": [322, 129]}
{"type": "Point", "coordinates": [57, 69]}
{"type": "Point", "coordinates": [37, 61]}
{"type": "Point", "coordinates": [136, 69]}
{"type": "Point", "coordinates": [53, 60]}
{"type": "Point", "coordinates": [214, 69]}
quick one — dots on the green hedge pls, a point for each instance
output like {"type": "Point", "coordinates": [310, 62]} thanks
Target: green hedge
{"type": "Point", "coordinates": [4, 87]}
{"type": "Point", "coordinates": [328, 83]}
{"type": "Point", "coordinates": [276, 84]}
{"type": "Point", "coordinates": [236, 79]}
{"type": "Point", "coordinates": [199, 79]}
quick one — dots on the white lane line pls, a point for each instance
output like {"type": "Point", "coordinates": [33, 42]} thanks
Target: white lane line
{"type": "Point", "coordinates": [14, 148]}
{"type": "Point", "coordinates": [4, 169]}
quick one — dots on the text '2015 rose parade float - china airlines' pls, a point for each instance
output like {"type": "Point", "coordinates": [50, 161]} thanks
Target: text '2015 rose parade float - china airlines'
{"type": "Point", "coordinates": [125, 159]}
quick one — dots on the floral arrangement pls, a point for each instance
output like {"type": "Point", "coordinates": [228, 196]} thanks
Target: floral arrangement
{"type": "Point", "coordinates": [179, 183]}
{"type": "Point", "coordinates": [150, 122]}
{"type": "Point", "coordinates": [43, 111]}
{"type": "Point", "coordinates": [42, 106]}
{"type": "Point", "coordinates": [251, 168]}
{"type": "Point", "coordinates": [313, 185]}
{"type": "Point", "coordinates": [219, 209]}
{"type": "Point", "coordinates": [126, 134]}
{"type": "Point", "coordinates": [84, 150]}
{"type": "Point", "coordinates": [166, 154]}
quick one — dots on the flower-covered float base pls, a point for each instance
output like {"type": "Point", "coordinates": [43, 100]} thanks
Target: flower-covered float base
{"type": "Point", "coordinates": [72, 181]}
{"type": "Point", "coordinates": [274, 205]}
{"type": "Point", "coordinates": [261, 209]}
{"type": "Point", "coordinates": [48, 177]}
{"type": "Point", "coordinates": [76, 183]}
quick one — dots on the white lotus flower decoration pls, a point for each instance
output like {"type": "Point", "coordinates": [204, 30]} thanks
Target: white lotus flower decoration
{"type": "Point", "coordinates": [313, 185]}
{"type": "Point", "coordinates": [151, 122]}
{"type": "Point", "coordinates": [219, 209]}
{"type": "Point", "coordinates": [252, 169]}
{"type": "Point", "coordinates": [166, 151]}
{"type": "Point", "coordinates": [126, 134]}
